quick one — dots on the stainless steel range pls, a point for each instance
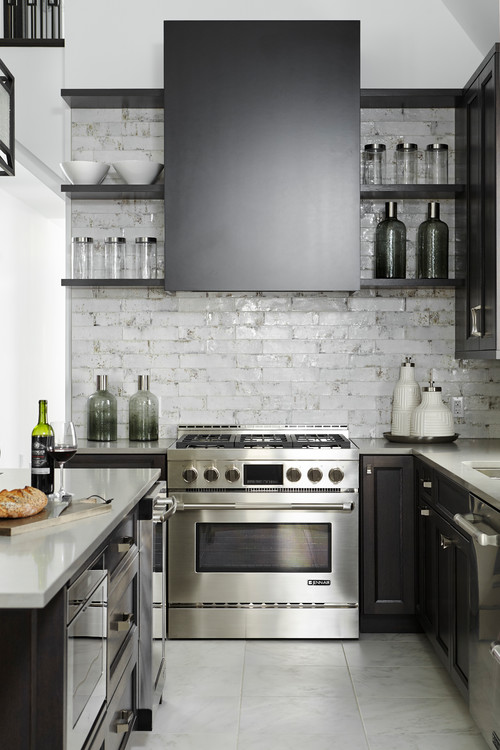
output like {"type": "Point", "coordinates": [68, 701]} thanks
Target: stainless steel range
{"type": "Point", "coordinates": [264, 540]}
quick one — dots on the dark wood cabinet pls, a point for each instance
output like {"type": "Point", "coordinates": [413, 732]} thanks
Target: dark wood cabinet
{"type": "Point", "coordinates": [387, 543]}
{"type": "Point", "coordinates": [262, 148]}
{"type": "Point", "coordinates": [477, 245]}
{"type": "Point", "coordinates": [444, 555]}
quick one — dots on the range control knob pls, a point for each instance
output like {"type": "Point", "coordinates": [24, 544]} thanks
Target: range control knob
{"type": "Point", "coordinates": [211, 474]}
{"type": "Point", "coordinates": [336, 475]}
{"type": "Point", "coordinates": [293, 474]}
{"type": "Point", "coordinates": [190, 474]}
{"type": "Point", "coordinates": [232, 474]}
{"type": "Point", "coordinates": [314, 474]}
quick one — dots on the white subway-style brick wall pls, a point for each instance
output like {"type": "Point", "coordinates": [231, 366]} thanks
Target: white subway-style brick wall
{"type": "Point", "coordinates": [263, 357]}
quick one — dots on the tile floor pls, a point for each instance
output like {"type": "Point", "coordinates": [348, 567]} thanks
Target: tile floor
{"type": "Point", "coordinates": [383, 692]}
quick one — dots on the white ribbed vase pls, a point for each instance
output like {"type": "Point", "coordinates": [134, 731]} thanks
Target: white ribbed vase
{"type": "Point", "coordinates": [405, 398]}
{"type": "Point", "coordinates": [432, 418]}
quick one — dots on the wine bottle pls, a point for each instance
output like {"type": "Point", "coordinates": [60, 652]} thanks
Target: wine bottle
{"type": "Point", "coordinates": [42, 468]}
{"type": "Point", "coordinates": [432, 246]}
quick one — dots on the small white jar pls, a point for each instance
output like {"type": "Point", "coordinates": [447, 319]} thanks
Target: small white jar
{"type": "Point", "coordinates": [431, 418]}
{"type": "Point", "coordinates": [405, 399]}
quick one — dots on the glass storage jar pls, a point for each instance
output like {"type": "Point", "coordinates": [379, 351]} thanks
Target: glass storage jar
{"type": "Point", "coordinates": [114, 257]}
{"type": "Point", "coordinates": [406, 163]}
{"type": "Point", "coordinates": [374, 164]}
{"type": "Point", "coordinates": [145, 258]}
{"type": "Point", "coordinates": [82, 258]}
{"type": "Point", "coordinates": [436, 164]}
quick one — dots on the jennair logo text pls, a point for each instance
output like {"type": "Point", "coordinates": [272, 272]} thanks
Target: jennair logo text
{"type": "Point", "coordinates": [319, 582]}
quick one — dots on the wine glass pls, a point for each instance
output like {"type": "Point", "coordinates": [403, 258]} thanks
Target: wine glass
{"type": "Point", "coordinates": [62, 447]}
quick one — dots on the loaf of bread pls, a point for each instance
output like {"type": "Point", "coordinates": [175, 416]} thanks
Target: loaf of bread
{"type": "Point", "coordinates": [22, 503]}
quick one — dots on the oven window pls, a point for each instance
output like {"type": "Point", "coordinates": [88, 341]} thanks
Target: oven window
{"type": "Point", "coordinates": [263, 547]}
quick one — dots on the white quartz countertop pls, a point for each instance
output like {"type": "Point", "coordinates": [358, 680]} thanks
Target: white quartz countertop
{"type": "Point", "coordinates": [36, 564]}
{"type": "Point", "coordinates": [453, 459]}
{"type": "Point", "coordinates": [119, 447]}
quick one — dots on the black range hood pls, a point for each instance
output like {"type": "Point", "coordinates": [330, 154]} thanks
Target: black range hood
{"type": "Point", "coordinates": [262, 155]}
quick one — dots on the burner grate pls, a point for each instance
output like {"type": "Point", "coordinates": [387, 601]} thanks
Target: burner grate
{"type": "Point", "coordinates": [263, 440]}
{"type": "Point", "coordinates": [318, 440]}
{"type": "Point", "coordinates": [205, 440]}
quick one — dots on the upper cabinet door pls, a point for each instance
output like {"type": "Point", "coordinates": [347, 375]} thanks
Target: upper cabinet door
{"type": "Point", "coordinates": [262, 155]}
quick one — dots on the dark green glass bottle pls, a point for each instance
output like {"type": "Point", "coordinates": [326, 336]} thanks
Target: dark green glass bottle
{"type": "Point", "coordinates": [101, 413]}
{"type": "Point", "coordinates": [143, 412]}
{"type": "Point", "coordinates": [432, 246]}
{"type": "Point", "coordinates": [390, 245]}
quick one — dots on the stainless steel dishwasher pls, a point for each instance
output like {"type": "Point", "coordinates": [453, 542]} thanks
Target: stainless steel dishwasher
{"type": "Point", "coordinates": [482, 525]}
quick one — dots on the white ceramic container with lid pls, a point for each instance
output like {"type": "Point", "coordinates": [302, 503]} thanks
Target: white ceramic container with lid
{"type": "Point", "coordinates": [405, 398]}
{"type": "Point", "coordinates": [431, 418]}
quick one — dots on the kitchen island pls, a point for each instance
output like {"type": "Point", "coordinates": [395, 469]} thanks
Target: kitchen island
{"type": "Point", "coordinates": [38, 663]}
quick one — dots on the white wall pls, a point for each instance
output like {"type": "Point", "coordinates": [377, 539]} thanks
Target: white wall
{"type": "Point", "coordinates": [32, 311]}
{"type": "Point", "coordinates": [404, 43]}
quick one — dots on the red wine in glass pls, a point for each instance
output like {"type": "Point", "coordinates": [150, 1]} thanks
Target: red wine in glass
{"type": "Point", "coordinates": [62, 448]}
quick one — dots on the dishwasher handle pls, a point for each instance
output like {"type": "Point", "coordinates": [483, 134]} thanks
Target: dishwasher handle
{"type": "Point", "coordinates": [466, 523]}
{"type": "Point", "coordinates": [495, 651]}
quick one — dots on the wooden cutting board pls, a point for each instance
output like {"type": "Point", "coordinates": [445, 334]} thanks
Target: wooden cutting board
{"type": "Point", "coordinates": [78, 509]}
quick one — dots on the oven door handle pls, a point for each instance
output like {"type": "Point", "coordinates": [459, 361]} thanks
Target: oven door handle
{"type": "Point", "coordinates": [348, 506]}
{"type": "Point", "coordinates": [172, 504]}
{"type": "Point", "coordinates": [485, 540]}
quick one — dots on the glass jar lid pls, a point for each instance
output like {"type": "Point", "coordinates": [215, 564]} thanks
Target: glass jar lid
{"type": "Point", "coordinates": [406, 147]}
{"type": "Point", "coordinates": [437, 147]}
{"type": "Point", "coordinates": [115, 239]}
{"type": "Point", "coordinates": [145, 239]}
{"type": "Point", "coordinates": [82, 239]}
{"type": "Point", "coordinates": [375, 147]}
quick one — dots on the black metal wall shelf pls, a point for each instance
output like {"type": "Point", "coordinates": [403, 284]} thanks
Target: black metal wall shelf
{"type": "Point", "coordinates": [409, 98]}
{"type": "Point", "coordinates": [114, 192]}
{"type": "Point", "coordinates": [390, 192]}
{"type": "Point", "coordinates": [113, 98]}
{"type": "Point", "coordinates": [409, 283]}
{"type": "Point", "coordinates": [113, 282]}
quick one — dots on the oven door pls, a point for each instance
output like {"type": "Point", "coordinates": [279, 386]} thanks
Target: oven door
{"type": "Point", "coordinates": [239, 561]}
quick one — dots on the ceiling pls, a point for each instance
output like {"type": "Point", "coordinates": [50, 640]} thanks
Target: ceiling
{"type": "Point", "coordinates": [479, 19]}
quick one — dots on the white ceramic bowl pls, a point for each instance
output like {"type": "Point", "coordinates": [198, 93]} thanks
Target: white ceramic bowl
{"type": "Point", "coordinates": [138, 172]}
{"type": "Point", "coordinates": [84, 172]}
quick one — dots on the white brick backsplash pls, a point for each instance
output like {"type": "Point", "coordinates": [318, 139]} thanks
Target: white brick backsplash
{"type": "Point", "coordinates": [266, 357]}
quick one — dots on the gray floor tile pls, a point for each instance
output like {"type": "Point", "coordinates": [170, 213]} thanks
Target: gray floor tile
{"type": "Point", "coordinates": [295, 652]}
{"type": "Point", "coordinates": [297, 680]}
{"type": "Point", "coordinates": [425, 741]}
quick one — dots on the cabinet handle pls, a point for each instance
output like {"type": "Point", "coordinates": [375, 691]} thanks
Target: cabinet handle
{"type": "Point", "coordinates": [466, 522]}
{"type": "Point", "coordinates": [123, 622]}
{"type": "Point", "coordinates": [425, 512]}
{"type": "Point", "coordinates": [369, 469]}
{"type": "Point", "coordinates": [474, 312]}
{"type": "Point", "coordinates": [125, 544]}
{"type": "Point", "coordinates": [123, 722]}
{"type": "Point", "coordinates": [445, 542]}
{"type": "Point", "coordinates": [427, 484]}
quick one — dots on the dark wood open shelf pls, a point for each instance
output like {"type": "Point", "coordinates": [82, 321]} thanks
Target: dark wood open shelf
{"type": "Point", "coordinates": [114, 191]}
{"type": "Point", "coordinates": [409, 283]}
{"type": "Point", "coordinates": [409, 98]}
{"type": "Point", "coordinates": [113, 282]}
{"type": "Point", "coordinates": [411, 191]}
{"type": "Point", "coordinates": [113, 98]}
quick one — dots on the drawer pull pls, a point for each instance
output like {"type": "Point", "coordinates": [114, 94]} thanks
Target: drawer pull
{"type": "Point", "coordinates": [124, 721]}
{"type": "Point", "coordinates": [425, 512]}
{"type": "Point", "coordinates": [125, 544]}
{"type": "Point", "coordinates": [446, 542]}
{"type": "Point", "coordinates": [427, 484]}
{"type": "Point", "coordinates": [369, 469]}
{"type": "Point", "coordinates": [123, 622]}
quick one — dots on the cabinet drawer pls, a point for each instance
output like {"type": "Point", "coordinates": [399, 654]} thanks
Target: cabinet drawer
{"type": "Point", "coordinates": [122, 541]}
{"type": "Point", "coordinates": [122, 710]}
{"type": "Point", "coordinates": [451, 498]}
{"type": "Point", "coordinates": [122, 611]}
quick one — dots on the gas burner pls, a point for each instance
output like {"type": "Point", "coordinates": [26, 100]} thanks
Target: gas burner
{"type": "Point", "coordinates": [305, 440]}
{"type": "Point", "coordinates": [205, 440]}
{"type": "Point", "coordinates": [263, 440]}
